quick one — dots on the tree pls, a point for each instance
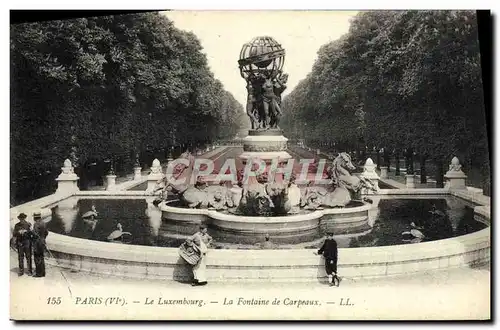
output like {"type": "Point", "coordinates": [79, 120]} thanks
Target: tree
{"type": "Point", "coordinates": [110, 87]}
{"type": "Point", "coordinates": [399, 80]}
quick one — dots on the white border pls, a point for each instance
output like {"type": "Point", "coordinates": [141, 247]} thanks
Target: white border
{"type": "Point", "coordinates": [198, 4]}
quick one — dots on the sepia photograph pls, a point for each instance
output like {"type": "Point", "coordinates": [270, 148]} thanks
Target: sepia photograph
{"type": "Point", "coordinates": [250, 165]}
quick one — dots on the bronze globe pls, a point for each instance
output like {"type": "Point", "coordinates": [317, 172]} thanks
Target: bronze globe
{"type": "Point", "coordinates": [261, 56]}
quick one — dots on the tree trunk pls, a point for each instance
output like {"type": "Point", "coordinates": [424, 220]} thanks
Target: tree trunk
{"type": "Point", "coordinates": [423, 172]}
{"type": "Point", "coordinates": [409, 162]}
{"type": "Point", "coordinates": [405, 159]}
{"type": "Point", "coordinates": [387, 159]}
{"type": "Point", "coordinates": [398, 169]}
{"type": "Point", "coordinates": [439, 173]}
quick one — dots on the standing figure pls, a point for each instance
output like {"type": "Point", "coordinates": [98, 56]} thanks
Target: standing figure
{"type": "Point", "coordinates": [22, 241]}
{"type": "Point", "coordinates": [279, 88]}
{"type": "Point", "coordinates": [202, 241]}
{"type": "Point", "coordinates": [270, 104]}
{"type": "Point", "coordinates": [40, 232]}
{"type": "Point", "coordinates": [330, 253]}
{"type": "Point", "coordinates": [251, 106]}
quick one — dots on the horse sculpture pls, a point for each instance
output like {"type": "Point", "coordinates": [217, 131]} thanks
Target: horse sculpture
{"type": "Point", "coordinates": [193, 195]}
{"type": "Point", "coordinates": [345, 186]}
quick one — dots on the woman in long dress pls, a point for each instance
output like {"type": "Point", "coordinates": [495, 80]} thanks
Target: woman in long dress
{"type": "Point", "coordinates": [202, 241]}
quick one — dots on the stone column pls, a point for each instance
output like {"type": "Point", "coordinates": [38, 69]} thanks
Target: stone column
{"type": "Point", "coordinates": [383, 172]}
{"type": "Point", "coordinates": [155, 175]}
{"type": "Point", "coordinates": [110, 182]}
{"type": "Point", "coordinates": [370, 174]}
{"type": "Point", "coordinates": [455, 178]}
{"type": "Point", "coordinates": [137, 173]}
{"type": "Point", "coordinates": [67, 180]}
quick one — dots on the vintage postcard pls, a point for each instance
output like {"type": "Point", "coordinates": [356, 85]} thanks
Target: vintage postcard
{"type": "Point", "coordinates": [250, 165]}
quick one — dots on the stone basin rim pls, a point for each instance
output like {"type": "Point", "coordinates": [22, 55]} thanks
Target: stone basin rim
{"type": "Point", "coordinates": [315, 214]}
{"type": "Point", "coordinates": [125, 252]}
{"type": "Point", "coordinates": [358, 262]}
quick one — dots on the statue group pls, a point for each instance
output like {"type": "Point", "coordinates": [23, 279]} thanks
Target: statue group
{"type": "Point", "coordinates": [264, 99]}
{"type": "Point", "coordinates": [266, 197]}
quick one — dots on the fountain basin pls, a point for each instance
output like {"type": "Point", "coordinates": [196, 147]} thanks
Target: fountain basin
{"type": "Point", "coordinates": [281, 229]}
{"type": "Point", "coordinates": [263, 265]}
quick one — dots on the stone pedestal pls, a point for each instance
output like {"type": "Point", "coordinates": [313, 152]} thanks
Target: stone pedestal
{"type": "Point", "coordinates": [110, 182]}
{"type": "Point", "coordinates": [67, 180]}
{"type": "Point", "coordinates": [410, 181]}
{"type": "Point", "coordinates": [137, 173]}
{"type": "Point", "coordinates": [155, 175]}
{"type": "Point", "coordinates": [370, 173]}
{"type": "Point", "coordinates": [383, 172]}
{"type": "Point", "coordinates": [455, 178]}
{"type": "Point", "coordinates": [266, 145]}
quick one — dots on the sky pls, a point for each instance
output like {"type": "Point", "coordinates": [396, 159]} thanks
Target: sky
{"type": "Point", "coordinates": [223, 33]}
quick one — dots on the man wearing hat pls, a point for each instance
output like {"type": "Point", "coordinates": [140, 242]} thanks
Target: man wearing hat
{"type": "Point", "coordinates": [22, 237]}
{"type": "Point", "coordinates": [40, 232]}
{"type": "Point", "coordinates": [330, 253]}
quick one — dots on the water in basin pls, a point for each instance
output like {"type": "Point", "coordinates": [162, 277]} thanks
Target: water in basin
{"type": "Point", "coordinates": [139, 217]}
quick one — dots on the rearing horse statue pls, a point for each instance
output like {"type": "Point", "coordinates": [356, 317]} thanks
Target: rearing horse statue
{"type": "Point", "coordinates": [346, 186]}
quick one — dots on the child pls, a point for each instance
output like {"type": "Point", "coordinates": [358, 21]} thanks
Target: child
{"type": "Point", "coordinates": [330, 252]}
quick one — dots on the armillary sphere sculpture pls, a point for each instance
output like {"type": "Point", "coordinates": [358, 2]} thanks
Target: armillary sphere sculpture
{"type": "Point", "coordinates": [261, 65]}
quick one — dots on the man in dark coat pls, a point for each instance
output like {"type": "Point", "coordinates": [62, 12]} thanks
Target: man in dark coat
{"type": "Point", "coordinates": [40, 232]}
{"type": "Point", "coordinates": [22, 242]}
{"type": "Point", "coordinates": [330, 253]}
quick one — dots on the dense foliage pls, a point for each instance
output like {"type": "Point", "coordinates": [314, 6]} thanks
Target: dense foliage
{"type": "Point", "coordinates": [101, 87]}
{"type": "Point", "coordinates": [398, 79]}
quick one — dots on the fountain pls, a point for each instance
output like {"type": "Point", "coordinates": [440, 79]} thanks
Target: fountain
{"type": "Point", "coordinates": [268, 200]}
